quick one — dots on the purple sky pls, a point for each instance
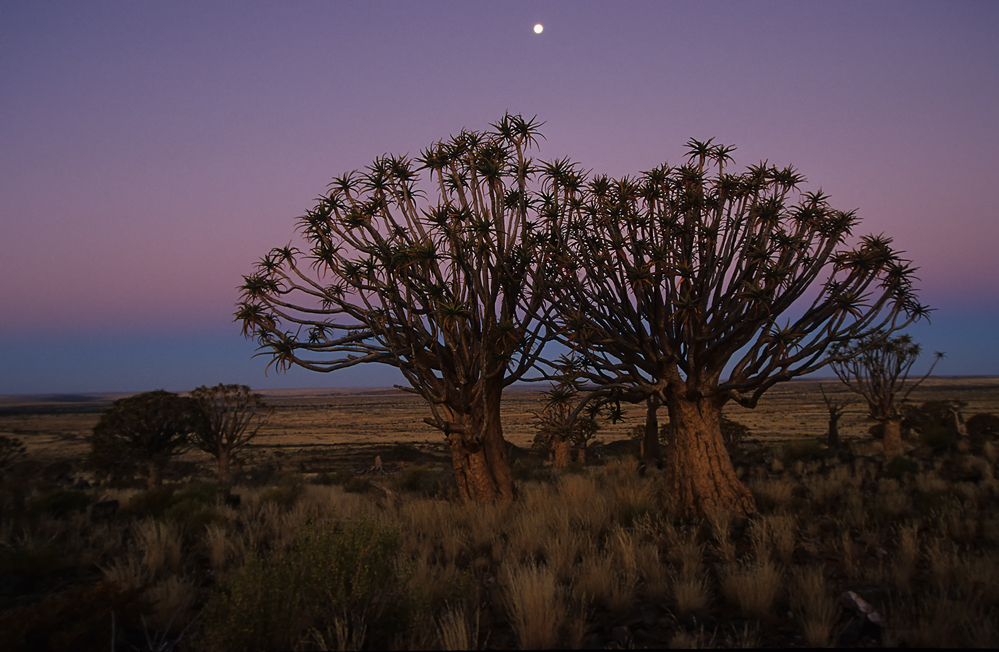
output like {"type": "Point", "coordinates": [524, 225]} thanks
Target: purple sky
{"type": "Point", "coordinates": [150, 153]}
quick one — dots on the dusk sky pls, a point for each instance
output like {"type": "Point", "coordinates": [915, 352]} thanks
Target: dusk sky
{"type": "Point", "coordinates": [152, 152]}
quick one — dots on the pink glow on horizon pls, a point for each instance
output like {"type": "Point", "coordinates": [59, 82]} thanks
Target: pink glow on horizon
{"type": "Point", "coordinates": [151, 154]}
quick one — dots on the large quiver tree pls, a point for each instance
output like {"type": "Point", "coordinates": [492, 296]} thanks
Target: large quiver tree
{"type": "Point", "coordinates": [670, 279]}
{"type": "Point", "coordinates": [437, 289]}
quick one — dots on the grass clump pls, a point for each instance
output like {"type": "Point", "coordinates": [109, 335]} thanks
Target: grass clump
{"type": "Point", "coordinates": [326, 574]}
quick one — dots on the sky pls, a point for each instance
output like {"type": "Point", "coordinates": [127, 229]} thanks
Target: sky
{"type": "Point", "coordinates": [152, 152]}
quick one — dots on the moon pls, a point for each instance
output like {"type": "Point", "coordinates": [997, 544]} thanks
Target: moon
{"type": "Point", "coordinates": [539, 28]}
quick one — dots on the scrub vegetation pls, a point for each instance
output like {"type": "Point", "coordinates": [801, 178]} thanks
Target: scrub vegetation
{"type": "Point", "coordinates": [591, 556]}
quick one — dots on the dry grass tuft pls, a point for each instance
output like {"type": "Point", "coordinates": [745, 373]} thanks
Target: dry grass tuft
{"type": "Point", "coordinates": [536, 605]}
{"type": "Point", "coordinates": [160, 544]}
{"type": "Point", "coordinates": [690, 595]}
{"type": "Point", "coordinates": [753, 587]}
{"type": "Point", "coordinates": [456, 632]}
{"type": "Point", "coordinates": [811, 600]}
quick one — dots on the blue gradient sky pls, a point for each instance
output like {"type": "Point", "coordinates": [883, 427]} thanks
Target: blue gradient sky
{"type": "Point", "coordinates": [150, 153]}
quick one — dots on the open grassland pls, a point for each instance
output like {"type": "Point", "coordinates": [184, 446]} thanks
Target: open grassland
{"type": "Point", "coordinates": [322, 423]}
{"type": "Point", "coordinates": [847, 550]}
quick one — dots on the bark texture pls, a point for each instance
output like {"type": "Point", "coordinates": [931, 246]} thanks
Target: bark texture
{"type": "Point", "coordinates": [650, 444]}
{"type": "Point", "coordinates": [562, 449]}
{"type": "Point", "coordinates": [479, 456]}
{"type": "Point", "coordinates": [892, 437]}
{"type": "Point", "coordinates": [833, 430]}
{"type": "Point", "coordinates": [700, 479]}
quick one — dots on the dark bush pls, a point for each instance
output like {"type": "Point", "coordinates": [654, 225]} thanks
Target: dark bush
{"type": "Point", "coordinates": [900, 466]}
{"type": "Point", "coordinates": [983, 427]}
{"type": "Point", "coordinates": [733, 432]}
{"type": "Point", "coordinates": [427, 481]}
{"type": "Point", "coordinates": [800, 449]}
{"type": "Point", "coordinates": [61, 502]}
{"type": "Point", "coordinates": [78, 618]}
{"type": "Point", "coordinates": [286, 496]}
{"type": "Point", "coordinates": [327, 574]}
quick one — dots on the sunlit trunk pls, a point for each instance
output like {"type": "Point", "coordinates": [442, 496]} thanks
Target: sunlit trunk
{"type": "Point", "coordinates": [700, 479]}
{"type": "Point", "coordinates": [562, 449]}
{"type": "Point", "coordinates": [481, 466]}
{"type": "Point", "coordinates": [892, 437]}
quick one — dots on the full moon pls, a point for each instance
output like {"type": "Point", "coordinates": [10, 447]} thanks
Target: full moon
{"type": "Point", "coordinates": [539, 28]}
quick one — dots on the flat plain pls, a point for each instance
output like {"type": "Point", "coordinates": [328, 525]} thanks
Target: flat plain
{"type": "Point", "coordinates": [341, 426]}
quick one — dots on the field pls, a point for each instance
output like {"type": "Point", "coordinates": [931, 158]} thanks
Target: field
{"type": "Point", "coordinates": [319, 554]}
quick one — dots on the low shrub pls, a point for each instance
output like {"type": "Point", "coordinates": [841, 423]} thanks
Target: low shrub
{"type": "Point", "coordinates": [152, 502]}
{"type": "Point", "coordinates": [426, 481]}
{"type": "Point", "coordinates": [800, 449]}
{"type": "Point", "coordinates": [324, 575]}
{"type": "Point", "coordinates": [60, 502]}
{"type": "Point", "coordinates": [283, 495]}
{"type": "Point", "coordinates": [900, 466]}
{"type": "Point", "coordinates": [79, 618]}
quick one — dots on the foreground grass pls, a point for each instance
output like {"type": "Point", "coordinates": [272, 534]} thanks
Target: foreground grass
{"type": "Point", "coordinates": [589, 558]}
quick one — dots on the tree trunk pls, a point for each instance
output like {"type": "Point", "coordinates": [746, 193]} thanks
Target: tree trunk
{"type": "Point", "coordinates": [223, 459]}
{"type": "Point", "coordinates": [650, 444]}
{"type": "Point", "coordinates": [562, 449]}
{"type": "Point", "coordinates": [892, 437]}
{"type": "Point", "coordinates": [481, 466]}
{"type": "Point", "coordinates": [155, 474]}
{"type": "Point", "coordinates": [700, 479]}
{"type": "Point", "coordinates": [833, 430]}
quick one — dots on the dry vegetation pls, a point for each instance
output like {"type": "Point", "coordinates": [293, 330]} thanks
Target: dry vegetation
{"type": "Point", "coordinates": [315, 557]}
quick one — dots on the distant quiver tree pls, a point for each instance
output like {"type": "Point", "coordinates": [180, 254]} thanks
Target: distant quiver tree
{"type": "Point", "coordinates": [442, 281]}
{"type": "Point", "coordinates": [147, 428]}
{"type": "Point", "coordinates": [698, 286]}
{"type": "Point", "coordinates": [233, 416]}
{"type": "Point", "coordinates": [877, 367]}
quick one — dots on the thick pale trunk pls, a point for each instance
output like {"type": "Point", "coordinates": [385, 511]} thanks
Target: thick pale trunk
{"type": "Point", "coordinates": [892, 437]}
{"type": "Point", "coordinates": [562, 448]}
{"type": "Point", "coordinates": [650, 444]}
{"type": "Point", "coordinates": [700, 479]}
{"type": "Point", "coordinates": [224, 475]}
{"type": "Point", "coordinates": [481, 465]}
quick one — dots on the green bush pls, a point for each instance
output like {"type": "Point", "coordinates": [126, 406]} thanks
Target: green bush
{"type": "Point", "coordinates": [271, 604]}
{"type": "Point", "coordinates": [423, 480]}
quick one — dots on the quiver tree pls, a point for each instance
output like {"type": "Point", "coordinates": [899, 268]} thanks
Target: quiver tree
{"type": "Point", "coordinates": [877, 367]}
{"type": "Point", "coordinates": [836, 408]}
{"type": "Point", "coordinates": [699, 286]}
{"type": "Point", "coordinates": [147, 428]}
{"type": "Point", "coordinates": [437, 288]}
{"type": "Point", "coordinates": [233, 416]}
{"type": "Point", "coordinates": [561, 426]}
